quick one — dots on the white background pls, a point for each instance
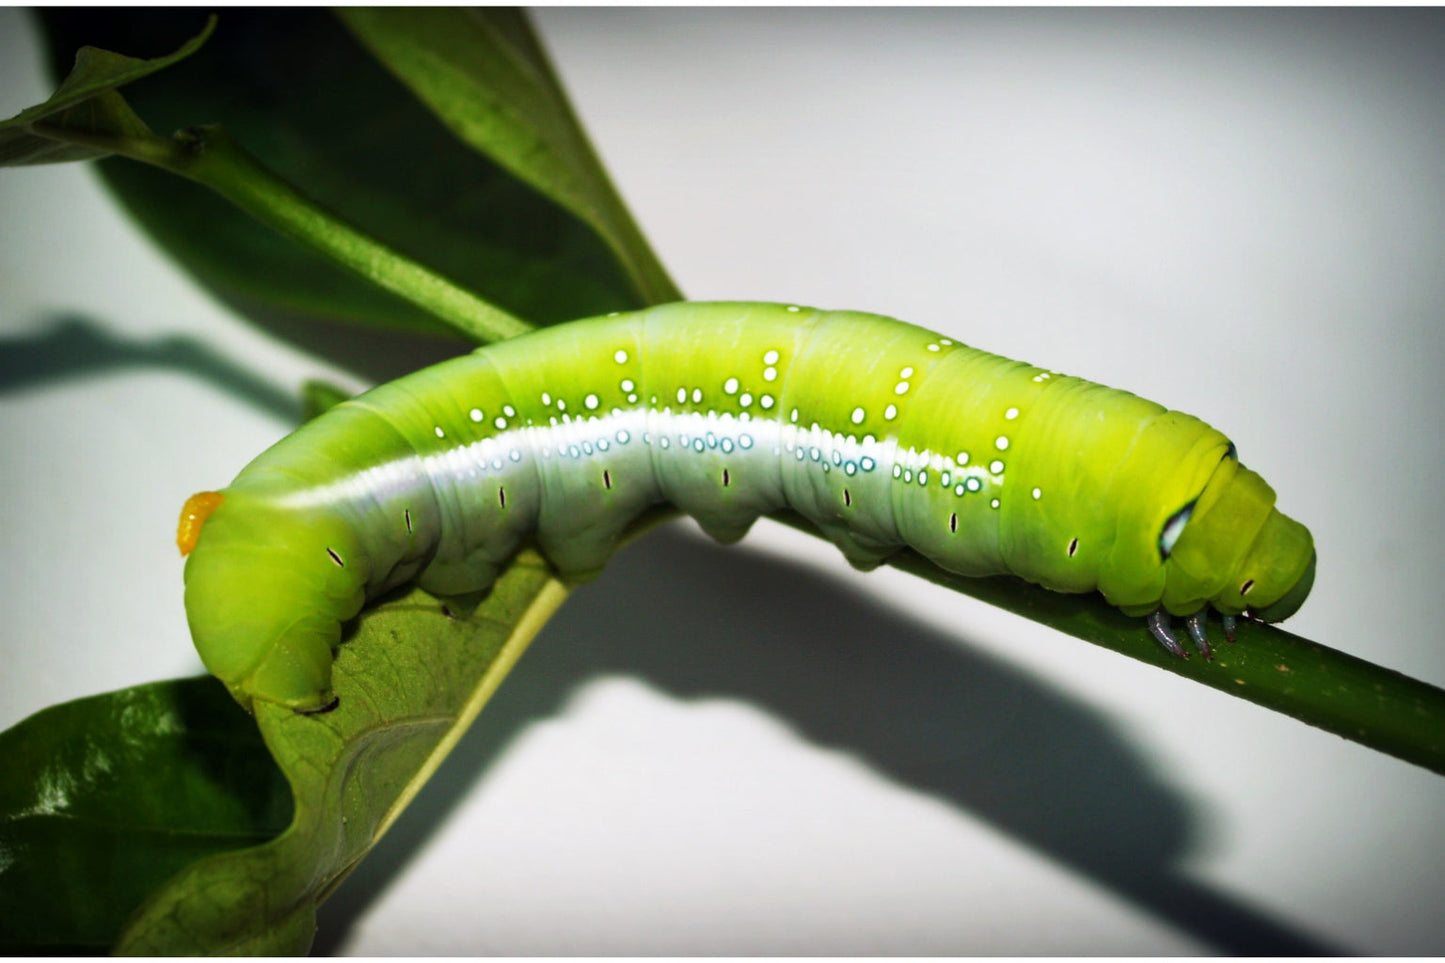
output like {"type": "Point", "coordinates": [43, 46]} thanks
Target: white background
{"type": "Point", "coordinates": [755, 749]}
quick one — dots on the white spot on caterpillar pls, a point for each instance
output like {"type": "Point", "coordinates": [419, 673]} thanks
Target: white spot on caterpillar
{"type": "Point", "coordinates": [476, 414]}
{"type": "Point", "coordinates": [681, 395]}
{"type": "Point", "coordinates": [908, 474]}
{"type": "Point", "coordinates": [944, 341]}
{"type": "Point", "coordinates": [1038, 493]}
{"type": "Point", "coordinates": [901, 388]}
{"type": "Point", "coordinates": [696, 395]}
{"type": "Point", "coordinates": [973, 484]}
{"type": "Point", "coordinates": [946, 480]}
{"type": "Point", "coordinates": [923, 478]}
{"type": "Point", "coordinates": [993, 504]}
{"type": "Point", "coordinates": [561, 405]}
{"type": "Point", "coordinates": [815, 453]}
{"type": "Point", "coordinates": [620, 357]}
{"type": "Point", "coordinates": [627, 384]}
{"type": "Point", "coordinates": [959, 489]}
{"type": "Point", "coordinates": [906, 372]}
{"type": "Point", "coordinates": [745, 399]}
{"type": "Point", "coordinates": [745, 441]}
{"type": "Point", "coordinates": [500, 422]}
{"type": "Point", "coordinates": [1011, 414]}
{"type": "Point", "coordinates": [933, 347]}
{"type": "Point", "coordinates": [1001, 443]}
{"type": "Point", "coordinates": [663, 442]}
{"type": "Point", "coordinates": [890, 412]}
{"type": "Point", "coordinates": [866, 463]}
{"type": "Point", "coordinates": [897, 471]}
{"type": "Point", "coordinates": [794, 307]}
{"type": "Point", "coordinates": [766, 401]}
{"type": "Point", "coordinates": [962, 458]}
{"type": "Point", "coordinates": [995, 467]}
{"type": "Point", "coordinates": [546, 398]}
{"type": "Point", "coordinates": [770, 374]}
{"type": "Point", "coordinates": [858, 416]}
{"type": "Point", "coordinates": [509, 411]}
{"type": "Point", "coordinates": [727, 446]}
{"type": "Point", "coordinates": [730, 386]}
{"type": "Point", "coordinates": [440, 433]}
{"type": "Point", "coordinates": [850, 468]}
{"type": "Point", "coordinates": [591, 401]}
{"type": "Point", "coordinates": [632, 399]}
{"type": "Point", "coordinates": [770, 358]}
{"type": "Point", "coordinates": [794, 416]}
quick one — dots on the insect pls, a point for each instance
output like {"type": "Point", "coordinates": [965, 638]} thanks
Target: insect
{"type": "Point", "coordinates": [881, 433]}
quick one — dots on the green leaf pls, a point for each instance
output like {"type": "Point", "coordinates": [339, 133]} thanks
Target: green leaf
{"type": "Point", "coordinates": [105, 798]}
{"type": "Point", "coordinates": [305, 98]}
{"type": "Point", "coordinates": [86, 101]}
{"type": "Point", "coordinates": [483, 72]}
{"type": "Point", "coordinates": [410, 681]}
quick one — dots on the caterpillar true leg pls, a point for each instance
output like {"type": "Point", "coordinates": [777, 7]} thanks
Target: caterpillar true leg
{"type": "Point", "coordinates": [1158, 622]}
{"type": "Point", "coordinates": [1229, 627]}
{"type": "Point", "coordinates": [1195, 624]}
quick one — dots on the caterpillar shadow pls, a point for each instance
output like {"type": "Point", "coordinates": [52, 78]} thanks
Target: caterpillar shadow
{"type": "Point", "coordinates": [918, 706]}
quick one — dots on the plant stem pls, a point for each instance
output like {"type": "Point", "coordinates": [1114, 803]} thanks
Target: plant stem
{"type": "Point", "coordinates": [209, 156]}
{"type": "Point", "coordinates": [1320, 686]}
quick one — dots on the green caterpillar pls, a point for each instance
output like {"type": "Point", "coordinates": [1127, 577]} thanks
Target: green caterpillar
{"type": "Point", "coordinates": [881, 433]}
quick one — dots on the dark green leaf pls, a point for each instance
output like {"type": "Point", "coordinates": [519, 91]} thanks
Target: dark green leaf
{"type": "Point", "coordinates": [483, 73]}
{"type": "Point", "coordinates": [303, 96]}
{"type": "Point", "coordinates": [410, 680]}
{"type": "Point", "coordinates": [86, 101]}
{"type": "Point", "coordinates": [105, 798]}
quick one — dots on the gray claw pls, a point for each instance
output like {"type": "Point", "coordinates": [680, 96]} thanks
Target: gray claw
{"type": "Point", "coordinates": [1159, 627]}
{"type": "Point", "coordinates": [1195, 623]}
{"type": "Point", "coordinates": [1229, 627]}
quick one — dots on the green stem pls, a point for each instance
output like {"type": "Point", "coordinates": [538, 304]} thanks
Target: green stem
{"type": "Point", "coordinates": [209, 156]}
{"type": "Point", "coordinates": [1320, 686]}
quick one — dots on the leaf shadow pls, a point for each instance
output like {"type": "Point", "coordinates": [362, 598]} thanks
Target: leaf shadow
{"type": "Point", "coordinates": [71, 346]}
{"type": "Point", "coordinates": [922, 708]}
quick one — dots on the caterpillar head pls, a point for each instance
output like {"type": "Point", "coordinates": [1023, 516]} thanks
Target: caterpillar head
{"type": "Point", "coordinates": [1238, 552]}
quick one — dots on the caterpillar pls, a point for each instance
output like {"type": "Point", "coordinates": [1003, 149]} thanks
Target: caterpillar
{"type": "Point", "coordinates": [881, 433]}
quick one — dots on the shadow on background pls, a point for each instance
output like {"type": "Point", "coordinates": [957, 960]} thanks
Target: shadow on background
{"type": "Point", "coordinates": [920, 707]}
{"type": "Point", "coordinates": [76, 347]}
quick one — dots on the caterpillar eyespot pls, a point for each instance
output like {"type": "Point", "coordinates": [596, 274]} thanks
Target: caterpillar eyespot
{"type": "Point", "coordinates": [418, 443]}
